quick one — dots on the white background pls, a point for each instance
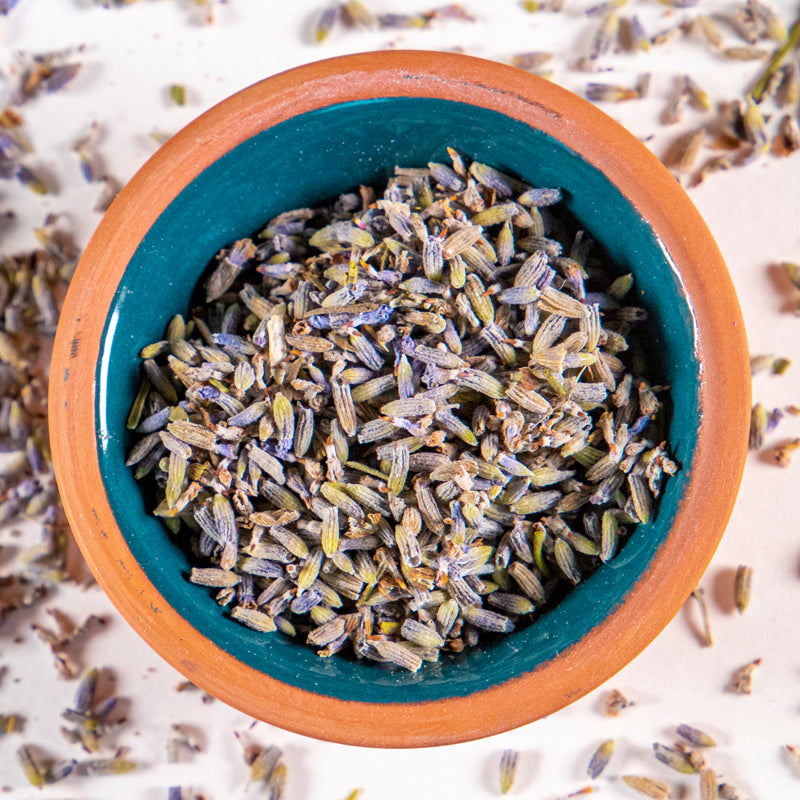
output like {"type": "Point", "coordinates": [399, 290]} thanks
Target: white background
{"type": "Point", "coordinates": [132, 54]}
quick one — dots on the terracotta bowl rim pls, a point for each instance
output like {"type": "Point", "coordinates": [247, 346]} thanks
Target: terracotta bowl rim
{"type": "Point", "coordinates": [722, 427]}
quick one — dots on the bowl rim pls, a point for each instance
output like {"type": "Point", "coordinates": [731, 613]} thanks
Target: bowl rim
{"type": "Point", "coordinates": [724, 396]}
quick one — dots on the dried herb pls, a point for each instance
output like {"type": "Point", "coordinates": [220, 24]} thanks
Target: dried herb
{"type": "Point", "coordinates": [777, 59]}
{"type": "Point", "coordinates": [184, 738]}
{"type": "Point", "coordinates": [792, 272]}
{"type": "Point", "coordinates": [615, 702]}
{"type": "Point", "coordinates": [758, 426]}
{"type": "Point", "coordinates": [674, 757]}
{"type": "Point", "coordinates": [266, 769]}
{"type": "Point", "coordinates": [695, 736]}
{"type": "Point", "coordinates": [697, 96]}
{"type": "Point", "coordinates": [610, 93]}
{"type": "Point", "coordinates": [508, 770]}
{"type": "Point", "coordinates": [780, 366]}
{"type": "Point", "coordinates": [104, 766]}
{"type": "Point", "coordinates": [742, 681]}
{"type": "Point", "coordinates": [91, 718]}
{"type": "Point", "coordinates": [605, 36]}
{"type": "Point", "coordinates": [42, 73]}
{"type": "Point", "coordinates": [600, 759]}
{"type": "Point", "coordinates": [62, 636]}
{"type": "Point", "coordinates": [7, 5]}
{"type": "Point", "coordinates": [531, 60]}
{"type": "Point", "coordinates": [384, 416]}
{"type": "Point", "coordinates": [744, 53]}
{"type": "Point", "coordinates": [698, 595]}
{"type": "Point", "coordinates": [729, 792]}
{"type": "Point", "coordinates": [159, 137]}
{"type": "Point", "coordinates": [776, 365]}
{"type": "Point", "coordinates": [674, 112]}
{"type": "Point", "coordinates": [708, 785]}
{"type": "Point", "coordinates": [177, 94]}
{"type": "Point", "coordinates": [84, 149]}
{"type": "Point", "coordinates": [787, 140]}
{"type": "Point", "coordinates": [647, 786]}
{"type": "Point", "coordinates": [690, 150]}
{"type": "Point", "coordinates": [742, 587]}
{"type": "Point", "coordinates": [11, 723]}
{"type": "Point", "coordinates": [40, 773]}
{"type": "Point", "coordinates": [782, 453]}
{"type": "Point", "coordinates": [111, 189]}
{"type": "Point", "coordinates": [326, 22]}
{"type": "Point", "coordinates": [30, 767]}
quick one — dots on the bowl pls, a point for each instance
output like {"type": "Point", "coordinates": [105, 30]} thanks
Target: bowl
{"type": "Point", "coordinates": [306, 135]}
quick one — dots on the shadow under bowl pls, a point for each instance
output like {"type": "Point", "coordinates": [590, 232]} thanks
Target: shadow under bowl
{"type": "Point", "coordinates": [308, 135]}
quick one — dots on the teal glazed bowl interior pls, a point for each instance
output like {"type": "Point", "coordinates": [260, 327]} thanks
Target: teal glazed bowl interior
{"type": "Point", "coordinates": [334, 144]}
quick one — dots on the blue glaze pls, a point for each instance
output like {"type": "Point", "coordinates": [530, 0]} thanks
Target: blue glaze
{"type": "Point", "coordinates": [312, 158]}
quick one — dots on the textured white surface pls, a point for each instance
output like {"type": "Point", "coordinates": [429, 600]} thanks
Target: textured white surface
{"type": "Point", "coordinates": [132, 54]}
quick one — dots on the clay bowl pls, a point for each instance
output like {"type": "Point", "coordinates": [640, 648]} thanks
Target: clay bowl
{"type": "Point", "coordinates": [304, 136]}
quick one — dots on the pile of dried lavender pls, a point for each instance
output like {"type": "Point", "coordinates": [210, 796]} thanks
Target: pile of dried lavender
{"type": "Point", "coordinates": [415, 428]}
{"type": "Point", "coordinates": [31, 286]}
